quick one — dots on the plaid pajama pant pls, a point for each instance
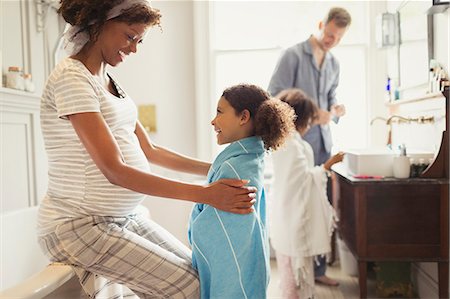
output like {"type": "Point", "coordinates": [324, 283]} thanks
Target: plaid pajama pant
{"type": "Point", "coordinates": [132, 251]}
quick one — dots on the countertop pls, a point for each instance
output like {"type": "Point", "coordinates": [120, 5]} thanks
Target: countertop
{"type": "Point", "coordinates": [341, 170]}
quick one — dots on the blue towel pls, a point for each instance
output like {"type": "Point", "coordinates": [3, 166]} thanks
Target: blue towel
{"type": "Point", "coordinates": [230, 251]}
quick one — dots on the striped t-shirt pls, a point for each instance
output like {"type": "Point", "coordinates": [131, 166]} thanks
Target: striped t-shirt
{"type": "Point", "coordinates": [76, 186]}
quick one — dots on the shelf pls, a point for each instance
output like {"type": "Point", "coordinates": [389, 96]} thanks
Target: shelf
{"type": "Point", "coordinates": [430, 96]}
{"type": "Point", "coordinates": [12, 99]}
{"type": "Point", "coordinates": [4, 90]}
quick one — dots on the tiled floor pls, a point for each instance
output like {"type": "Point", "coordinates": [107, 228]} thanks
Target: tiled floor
{"type": "Point", "coordinates": [348, 285]}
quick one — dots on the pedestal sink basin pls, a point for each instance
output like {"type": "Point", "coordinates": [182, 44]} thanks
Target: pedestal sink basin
{"type": "Point", "coordinates": [377, 161]}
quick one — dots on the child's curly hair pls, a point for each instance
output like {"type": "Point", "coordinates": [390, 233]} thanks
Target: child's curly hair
{"type": "Point", "coordinates": [90, 15]}
{"type": "Point", "coordinates": [305, 109]}
{"type": "Point", "coordinates": [273, 119]}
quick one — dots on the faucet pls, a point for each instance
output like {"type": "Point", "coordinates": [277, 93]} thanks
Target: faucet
{"type": "Point", "coordinates": [419, 119]}
{"type": "Point", "coordinates": [377, 118]}
{"type": "Point", "coordinates": [398, 118]}
{"type": "Point", "coordinates": [389, 138]}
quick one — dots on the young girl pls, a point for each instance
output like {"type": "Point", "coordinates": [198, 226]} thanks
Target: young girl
{"type": "Point", "coordinates": [230, 251]}
{"type": "Point", "coordinates": [302, 218]}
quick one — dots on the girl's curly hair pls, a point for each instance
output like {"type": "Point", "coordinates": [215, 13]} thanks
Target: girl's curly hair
{"type": "Point", "coordinates": [273, 119]}
{"type": "Point", "coordinates": [90, 15]}
{"type": "Point", "coordinates": [305, 109]}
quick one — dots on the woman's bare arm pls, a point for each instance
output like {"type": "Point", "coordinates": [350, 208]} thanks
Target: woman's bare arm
{"type": "Point", "coordinates": [91, 128]}
{"type": "Point", "coordinates": [169, 159]}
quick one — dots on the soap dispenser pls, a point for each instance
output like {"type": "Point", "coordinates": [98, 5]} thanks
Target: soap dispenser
{"type": "Point", "coordinates": [401, 165]}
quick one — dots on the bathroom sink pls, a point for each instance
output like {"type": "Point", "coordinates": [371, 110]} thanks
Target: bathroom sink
{"type": "Point", "coordinates": [377, 161]}
{"type": "Point", "coordinates": [371, 162]}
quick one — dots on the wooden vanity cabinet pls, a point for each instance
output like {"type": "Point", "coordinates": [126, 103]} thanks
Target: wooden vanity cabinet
{"type": "Point", "coordinates": [394, 220]}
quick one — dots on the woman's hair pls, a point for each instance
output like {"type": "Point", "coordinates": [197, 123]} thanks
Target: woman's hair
{"type": "Point", "coordinates": [273, 119]}
{"type": "Point", "coordinates": [305, 109]}
{"type": "Point", "coordinates": [91, 15]}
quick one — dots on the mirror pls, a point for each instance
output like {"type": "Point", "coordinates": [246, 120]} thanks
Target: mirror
{"type": "Point", "coordinates": [413, 51]}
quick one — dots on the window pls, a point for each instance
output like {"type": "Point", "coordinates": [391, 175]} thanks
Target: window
{"type": "Point", "coordinates": [247, 38]}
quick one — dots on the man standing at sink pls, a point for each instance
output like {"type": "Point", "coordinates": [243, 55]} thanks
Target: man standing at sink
{"type": "Point", "coordinates": [311, 67]}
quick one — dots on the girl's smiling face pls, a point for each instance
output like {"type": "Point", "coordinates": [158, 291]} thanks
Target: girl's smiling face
{"type": "Point", "coordinates": [228, 123]}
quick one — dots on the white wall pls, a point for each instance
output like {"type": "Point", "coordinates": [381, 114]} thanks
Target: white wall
{"type": "Point", "coordinates": [376, 77]}
{"type": "Point", "coordinates": [162, 73]}
{"type": "Point", "coordinates": [12, 56]}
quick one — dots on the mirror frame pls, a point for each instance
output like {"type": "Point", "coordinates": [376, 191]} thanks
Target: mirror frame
{"type": "Point", "coordinates": [430, 41]}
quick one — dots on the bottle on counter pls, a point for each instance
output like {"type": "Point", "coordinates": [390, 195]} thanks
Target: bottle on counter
{"type": "Point", "coordinates": [432, 77]}
{"type": "Point", "coordinates": [394, 90]}
{"type": "Point", "coordinates": [437, 80]}
{"type": "Point", "coordinates": [28, 83]}
{"type": "Point", "coordinates": [430, 80]}
{"type": "Point", "coordinates": [413, 168]}
{"type": "Point", "coordinates": [401, 165]}
{"type": "Point", "coordinates": [421, 166]}
{"type": "Point", "coordinates": [388, 90]}
{"type": "Point", "coordinates": [14, 78]}
{"type": "Point", "coordinates": [444, 80]}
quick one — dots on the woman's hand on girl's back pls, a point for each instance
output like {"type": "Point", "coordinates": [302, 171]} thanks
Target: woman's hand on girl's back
{"type": "Point", "coordinates": [231, 195]}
